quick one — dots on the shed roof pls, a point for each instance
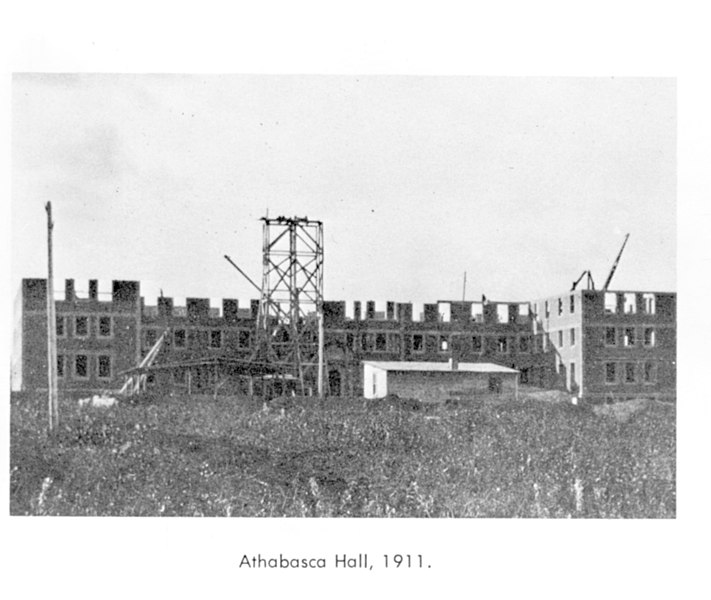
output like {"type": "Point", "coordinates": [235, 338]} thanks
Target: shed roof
{"type": "Point", "coordinates": [480, 367]}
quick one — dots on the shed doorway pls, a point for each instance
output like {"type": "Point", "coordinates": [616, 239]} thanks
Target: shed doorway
{"type": "Point", "coordinates": [334, 382]}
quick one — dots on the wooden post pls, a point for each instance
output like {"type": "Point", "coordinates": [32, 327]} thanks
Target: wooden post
{"type": "Point", "coordinates": [51, 330]}
{"type": "Point", "coordinates": [320, 354]}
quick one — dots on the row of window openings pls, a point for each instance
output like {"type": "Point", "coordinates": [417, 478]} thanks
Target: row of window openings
{"type": "Point", "coordinates": [630, 372]}
{"type": "Point", "coordinates": [381, 342]}
{"type": "Point", "coordinates": [378, 342]}
{"type": "Point", "coordinates": [629, 304]}
{"type": "Point", "coordinates": [561, 303]}
{"type": "Point", "coordinates": [212, 338]}
{"type": "Point", "coordinates": [571, 337]}
{"type": "Point", "coordinates": [628, 336]}
{"type": "Point", "coordinates": [82, 326]}
{"type": "Point", "coordinates": [81, 366]}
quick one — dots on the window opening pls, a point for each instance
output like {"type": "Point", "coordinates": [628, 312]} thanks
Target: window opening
{"type": "Point", "coordinates": [104, 366]}
{"type": "Point", "coordinates": [628, 336]}
{"type": "Point", "coordinates": [244, 339]}
{"type": "Point", "coordinates": [81, 326]}
{"type": "Point", "coordinates": [630, 304]}
{"type": "Point", "coordinates": [650, 306]}
{"type": "Point", "coordinates": [151, 336]}
{"type": "Point", "coordinates": [477, 312]}
{"type": "Point", "coordinates": [649, 337]}
{"type": "Point", "coordinates": [445, 311]}
{"type": "Point", "coordinates": [179, 338]}
{"type": "Point", "coordinates": [81, 366]}
{"type": "Point", "coordinates": [524, 343]}
{"type": "Point", "coordinates": [649, 372]}
{"type": "Point", "coordinates": [476, 343]}
{"type": "Point", "coordinates": [216, 338]}
{"type": "Point", "coordinates": [524, 312]}
{"type": "Point", "coordinates": [104, 326]}
{"type": "Point", "coordinates": [630, 373]}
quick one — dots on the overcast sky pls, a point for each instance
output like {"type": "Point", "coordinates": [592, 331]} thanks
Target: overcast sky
{"type": "Point", "coordinates": [521, 182]}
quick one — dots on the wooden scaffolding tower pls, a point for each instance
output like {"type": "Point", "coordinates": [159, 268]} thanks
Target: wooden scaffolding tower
{"type": "Point", "coordinates": [290, 321]}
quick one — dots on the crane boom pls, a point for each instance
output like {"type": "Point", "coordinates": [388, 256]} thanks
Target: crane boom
{"type": "Point", "coordinates": [247, 277]}
{"type": "Point", "coordinates": [614, 265]}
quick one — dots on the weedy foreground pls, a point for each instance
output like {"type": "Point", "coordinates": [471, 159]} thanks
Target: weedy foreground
{"type": "Point", "coordinates": [187, 456]}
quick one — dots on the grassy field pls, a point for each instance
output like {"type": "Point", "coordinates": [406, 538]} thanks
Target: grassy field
{"type": "Point", "coordinates": [222, 457]}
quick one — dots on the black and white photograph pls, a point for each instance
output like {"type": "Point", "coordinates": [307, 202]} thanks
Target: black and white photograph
{"type": "Point", "coordinates": [306, 296]}
{"type": "Point", "coordinates": [340, 320]}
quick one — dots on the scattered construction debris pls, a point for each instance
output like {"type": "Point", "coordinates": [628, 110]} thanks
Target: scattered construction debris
{"type": "Point", "coordinates": [98, 401]}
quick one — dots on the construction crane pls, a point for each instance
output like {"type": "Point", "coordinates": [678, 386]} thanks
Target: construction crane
{"type": "Point", "coordinates": [590, 282]}
{"type": "Point", "coordinates": [136, 381]}
{"type": "Point", "coordinates": [614, 265]}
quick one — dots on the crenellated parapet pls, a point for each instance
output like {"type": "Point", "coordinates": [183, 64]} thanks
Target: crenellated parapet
{"type": "Point", "coordinates": [124, 295]}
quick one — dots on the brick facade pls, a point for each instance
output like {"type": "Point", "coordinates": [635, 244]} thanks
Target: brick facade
{"type": "Point", "coordinates": [560, 342]}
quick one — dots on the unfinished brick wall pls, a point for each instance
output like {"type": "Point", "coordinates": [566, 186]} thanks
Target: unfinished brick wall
{"type": "Point", "coordinates": [504, 333]}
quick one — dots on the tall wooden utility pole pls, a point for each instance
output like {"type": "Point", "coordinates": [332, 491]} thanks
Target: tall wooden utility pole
{"type": "Point", "coordinates": [51, 330]}
{"type": "Point", "coordinates": [320, 353]}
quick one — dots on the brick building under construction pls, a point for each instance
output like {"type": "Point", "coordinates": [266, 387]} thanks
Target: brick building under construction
{"type": "Point", "coordinates": [596, 344]}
